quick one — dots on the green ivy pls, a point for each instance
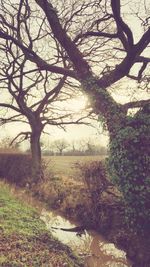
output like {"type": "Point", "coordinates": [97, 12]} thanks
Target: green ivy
{"type": "Point", "coordinates": [129, 167]}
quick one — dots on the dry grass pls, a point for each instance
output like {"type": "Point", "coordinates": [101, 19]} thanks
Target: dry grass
{"type": "Point", "coordinates": [65, 166]}
{"type": "Point", "coordinates": [64, 187]}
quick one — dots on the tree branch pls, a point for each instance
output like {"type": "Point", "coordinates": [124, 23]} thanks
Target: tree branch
{"type": "Point", "coordinates": [142, 59]}
{"type": "Point", "coordinates": [25, 134]}
{"type": "Point", "coordinates": [139, 76]}
{"type": "Point", "coordinates": [123, 28]}
{"type": "Point", "coordinates": [53, 92]}
{"type": "Point", "coordinates": [141, 71]}
{"type": "Point", "coordinates": [32, 56]}
{"type": "Point", "coordinates": [82, 67]}
{"type": "Point", "coordinates": [136, 104]}
{"type": "Point", "coordinates": [98, 34]}
{"type": "Point", "coordinates": [10, 106]}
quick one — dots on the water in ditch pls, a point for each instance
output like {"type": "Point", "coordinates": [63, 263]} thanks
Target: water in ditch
{"type": "Point", "coordinates": [95, 250]}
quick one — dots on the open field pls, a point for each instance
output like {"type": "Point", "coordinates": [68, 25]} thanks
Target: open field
{"type": "Point", "coordinates": [66, 165]}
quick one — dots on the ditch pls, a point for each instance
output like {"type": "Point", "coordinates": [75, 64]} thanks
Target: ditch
{"type": "Point", "coordinates": [91, 246]}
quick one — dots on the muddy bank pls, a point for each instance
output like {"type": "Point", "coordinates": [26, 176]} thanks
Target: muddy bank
{"type": "Point", "coordinates": [106, 216]}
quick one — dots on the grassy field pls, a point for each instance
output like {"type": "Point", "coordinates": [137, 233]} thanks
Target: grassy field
{"type": "Point", "coordinates": [65, 166]}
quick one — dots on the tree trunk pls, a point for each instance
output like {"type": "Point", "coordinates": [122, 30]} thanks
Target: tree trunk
{"type": "Point", "coordinates": [36, 156]}
{"type": "Point", "coordinates": [60, 152]}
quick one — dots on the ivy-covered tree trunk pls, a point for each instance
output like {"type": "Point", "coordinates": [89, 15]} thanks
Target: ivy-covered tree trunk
{"type": "Point", "coordinates": [129, 166]}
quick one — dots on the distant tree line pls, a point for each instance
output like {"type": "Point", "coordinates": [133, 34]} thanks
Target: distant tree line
{"type": "Point", "coordinates": [60, 147]}
{"type": "Point", "coordinates": [82, 147]}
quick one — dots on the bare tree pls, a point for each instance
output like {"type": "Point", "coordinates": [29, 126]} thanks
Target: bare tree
{"type": "Point", "coordinates": [33, 96]}
{"type": "Point", "coordinates": [60, 145]}
{"type": "Point", "coordinates": [7, 146]}
{"type": "Point", "coordinates": [88, 146]}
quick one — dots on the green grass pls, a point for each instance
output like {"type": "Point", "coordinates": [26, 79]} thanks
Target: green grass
{"type": "Point", "coordinates": [24, 240]}
{"type": "Point", "coordinates": [16, 216]}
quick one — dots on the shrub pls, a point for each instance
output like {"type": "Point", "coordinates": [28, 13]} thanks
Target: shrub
{"type": "Point", "coordinates": [103, 208]}
{"type": "Point", "coordinates": [95, 176]}
{"type": "Point", "coordinates": [96, 179]}
{"type": "Point", "coordinates": [16, 168]}
{"type": "Point", "coordinates": [129, 166]}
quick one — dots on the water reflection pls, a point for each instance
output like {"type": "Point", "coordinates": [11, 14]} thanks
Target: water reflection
{"type": "Point", "coordinates": [92, 246]}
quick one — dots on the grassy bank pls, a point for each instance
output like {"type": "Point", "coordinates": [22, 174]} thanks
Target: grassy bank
{"type": "Point", "coordinates": [24, 240]}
